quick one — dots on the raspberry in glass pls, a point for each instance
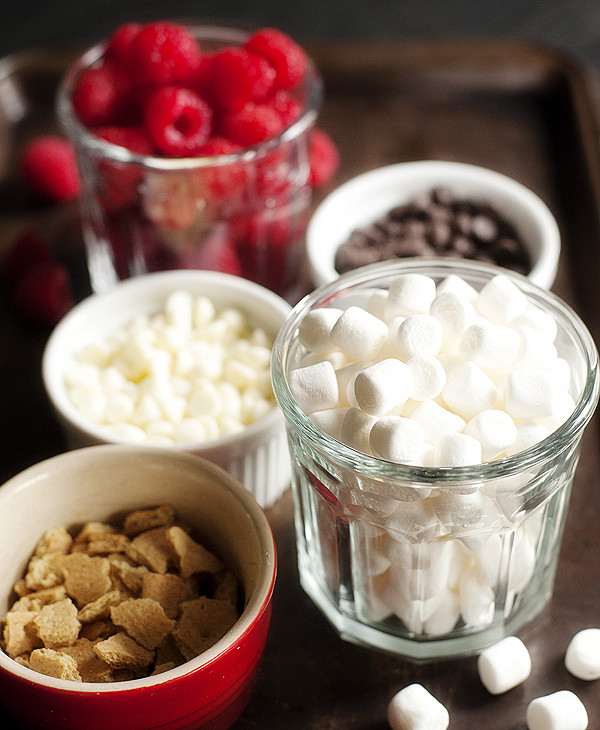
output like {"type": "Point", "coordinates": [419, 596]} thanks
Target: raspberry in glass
{"type": "Point", "coordinates": [239, 77]}
{"type": "Point", "coordinates": [100, 95]}
{"type": "Point", "coordinates": [118, 48]}
{"type": "Point", "coordinates": [324, 158]}
{"type": "Point", "coordinates": [286, 56]}
{"type": "Point", "coordinates": [49, 169]}
{"type": "Point", "coordinates": [251, 125]}
{"type": "Point", "coordinates": [162, 53]}
{"type": "Point", "coordinates": [178, 121]}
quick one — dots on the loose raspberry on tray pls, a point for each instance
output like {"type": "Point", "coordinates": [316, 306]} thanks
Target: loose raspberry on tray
{"type": "Point", "coordinates": [49, 169]}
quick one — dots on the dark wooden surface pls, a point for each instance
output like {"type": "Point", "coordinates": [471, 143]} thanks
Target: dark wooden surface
{"type": "Point", "coordinates": [524, 111]}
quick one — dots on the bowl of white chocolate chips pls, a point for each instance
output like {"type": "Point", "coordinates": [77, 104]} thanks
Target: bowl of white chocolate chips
{"type": "Point", "coordinates": [434, 410]}
{"type": "Point", "coordinates": [176, 359]}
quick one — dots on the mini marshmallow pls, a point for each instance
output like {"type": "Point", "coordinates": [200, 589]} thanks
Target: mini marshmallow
{"type": "Point", "coordinates": [457, 285]}
{"type": "Point", "coordinates": [529, 394]}
{"type": "Point", "coordinates": [476, 598]}
{"type": "Point", "coordinates": [414, 708]}
{"type": "Point", "coordinates": [562, 710]}
{"type": "Point", "coordinates": [428, 377]}
{"type": "Point", "coordinates": [528, 434]}
{"type": "Point", "coordinates": [500, 300]}
{"type": "Point", "coordinates": [355, 429]}
{"type": "Point", "coordinates": [346, 376]}
{"type": "Point", "coordinates": [385, 385]}
{"type": "Point", "coordinates": [398, 439]}
{"type": "Point", "coordinates": [535, 351]}
{"type": "Point", "coordinates": [413, 521]}
{"type": "Point", "coordinates": [455, 313]}
{"type": "Point", "coordinates": [359, 333]}
{"type": "Point", "coordinates": [469, 390]}
{"type": "Point", "coordinates": [315, 328]}
{"type": "Point", "coordinates": [504, 665]}
{"type": "Point", "coordinates": [491, 346]}
{"type": "Point", "coordinates": [582, 657]}
{"type": "Point", "coordinates": [329, 420]}
{"type": "Point", "coordinates": [419, 334]}
{"type": "Point", "coordinates": [458, 510]}
{"type": "Point", "coordinates": [494, 429]}
{"type": "Point", "coordinates": [409, 294]}
{"type": "Point", "coordinates": [445, 616]}
{"type": "Point", "coordinates": [522, 561]}
{"type": "Point", "coordinates": [314, 387]}
{"type": "Point", "coordinates": [457, 449]}
{"type": "Point", "coordinates": [537, 319]}
{"type": "Point", "coordinates": [436, 421]}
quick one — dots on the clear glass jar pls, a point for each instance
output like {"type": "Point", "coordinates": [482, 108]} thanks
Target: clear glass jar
{"type": "Point", "coordinates": [375, 557]}
{"type": "Point", "coordinates": [243, 213]}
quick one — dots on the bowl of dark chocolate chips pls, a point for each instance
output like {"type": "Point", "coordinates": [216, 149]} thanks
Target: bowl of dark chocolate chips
{"type": "Point", "coordinates": [430, 209]}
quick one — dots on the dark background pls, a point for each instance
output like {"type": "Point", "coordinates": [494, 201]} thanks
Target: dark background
{"type": "Point", "coordinates": [570, 25]}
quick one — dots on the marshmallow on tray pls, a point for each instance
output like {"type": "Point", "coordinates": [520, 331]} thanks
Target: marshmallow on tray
{"type": "Point", "coordinates": [582, 657]}
{"type": "Point", "coordinates": [414, 708]}
{"type": "Point", "coordinates": [504, 665]}
{"type": "Point", "coordinates": [562, 710]}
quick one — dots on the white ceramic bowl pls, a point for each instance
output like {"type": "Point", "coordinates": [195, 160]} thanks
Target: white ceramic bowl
{"type": "Point", "coordinates": [103, 483]}
{"type": "Point", "coordinates": [256, 456]}
{"type": "Point", "coordinates": [366, 198]}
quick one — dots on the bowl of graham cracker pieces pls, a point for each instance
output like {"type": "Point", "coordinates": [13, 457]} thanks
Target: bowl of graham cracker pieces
{"type": "Point", "coordinates": [136, 591]}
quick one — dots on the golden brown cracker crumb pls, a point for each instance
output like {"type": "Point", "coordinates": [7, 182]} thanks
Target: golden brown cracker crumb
{"type": "Point", "coordinates": [42, 573]}
{"type": "Point", "coordinates": [122, 652]}
{"type": "Point", "coordinates": [191, 556]}
{"type": "Point", "coordinates": [86, 577]}
{"type": "Point", "coordinates": [226, 588]}
{"type": "Point", "coordinates": [54, 540]}
{"type": "Point", "coordinates": [110, 543]}
{"type": "Point", "coordinates": [202, 622]}
{"type": "Point", "coordinates": [143, 619]}
{"type": "Point", "coordinates": [57, 624]}
{"type": "Point", "coordinates": [94, 531]}
{"type": "Point", "coordinates": [132, 576]}
{"type": "Point", "coordinates": [89, 665]}
{"type": "Point", "coordinates": [152, 549]}
{"type": "Point", "coordinates": [100, 608]}
{"type": "Point", "coordinates": [147, 519]}
{"type": "Point", "coordinates": [97, 630]}
{"type": "Point", "coordinates": [54, 664]}
{"type": "Point", "coordinates": [20, 634]}
{"type": "Point", "coordinates": [34, 601]}
{"type": "Point", "coordinates": [168, 589]}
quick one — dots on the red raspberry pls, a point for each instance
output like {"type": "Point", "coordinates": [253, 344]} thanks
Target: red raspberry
{"type": "Point", "coordinates": [162, 53]}
{"type": "Point", "coordinates": [134, 139]}
{"type": "Point", "coordinates": [287, 57]}
{"type": "Point", "coordinates": [49, 169]}
{"type": "Point", "coordinates": [178, 121]}
{"type": "Point", "coordinates": [240, 77]}
{"type": "Point", "coordinates": [251, 125]}
{"type": "Point", "coordinates": [288, 108]}
{"type": "Point", "coordinates": [27, 250]}
{"type": "Point", "coordinates": [324, 158]}
{"type": "Point", "coordinates": [223, 182]}
{"type": "Point", "coordinates": [118, 48]}
{"type": "Point", "coordinates": [99, 95]}
{"type": "Point", "coordinates": [43, 294]}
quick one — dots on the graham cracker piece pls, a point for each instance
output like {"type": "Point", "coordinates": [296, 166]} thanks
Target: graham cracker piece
{"type": "Point", "coordinates": [109, 543]}
{"type": "Point", "coordinates": [143, 619]}
{"type": "Point", "coordinates": [89, 665]}
{"type": "Point", "coordinates": [191, 556]}
{"type": "Point", "coordinates": [57, 624]}
{"type": "Point", "coordinates": [167, 652]}
{"type": "Point", "coordinates": [54, 664]}
{"type": "Point", "coordinates": [168, 589]}
{"type": "Point", "coordinates": [132, 576]}
{"type": "Point", "coordinates": [97, 630]}
{"type": "Point", "coordinates": [152, 549]}
{"type": "Point", "coordinates": [34, 601]}
{"type": "Point", "coordinates": [100, 608]}
{"type": "Point", "coordinates": [122, 652]}
{"type": "Point", "coordinates": [86, 577]}
{"type": "Point", "coordinates": [20, 634]}
{"type": "Point", "coordinates": [160, 668]}
{"type": "Point", "coordinates": [147, 519]}
{"type": "Point", "coordinates": [94, 531]}
{"type": "Point", "coordinates": [201, 624]}
{"type": "Point", "coordinates": [54, 540]}
{"type": "Point", "coordinates": [42, 573]}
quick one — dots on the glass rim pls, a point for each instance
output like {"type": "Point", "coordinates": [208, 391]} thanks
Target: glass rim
{"type": "Point", "coordinates": [370, 466]}
{"type": "Point", "coordinates": [202, 30]}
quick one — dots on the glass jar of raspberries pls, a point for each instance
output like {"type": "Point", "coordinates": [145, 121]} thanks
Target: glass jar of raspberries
{"type": "Point", "coordinates": [197, 148]}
